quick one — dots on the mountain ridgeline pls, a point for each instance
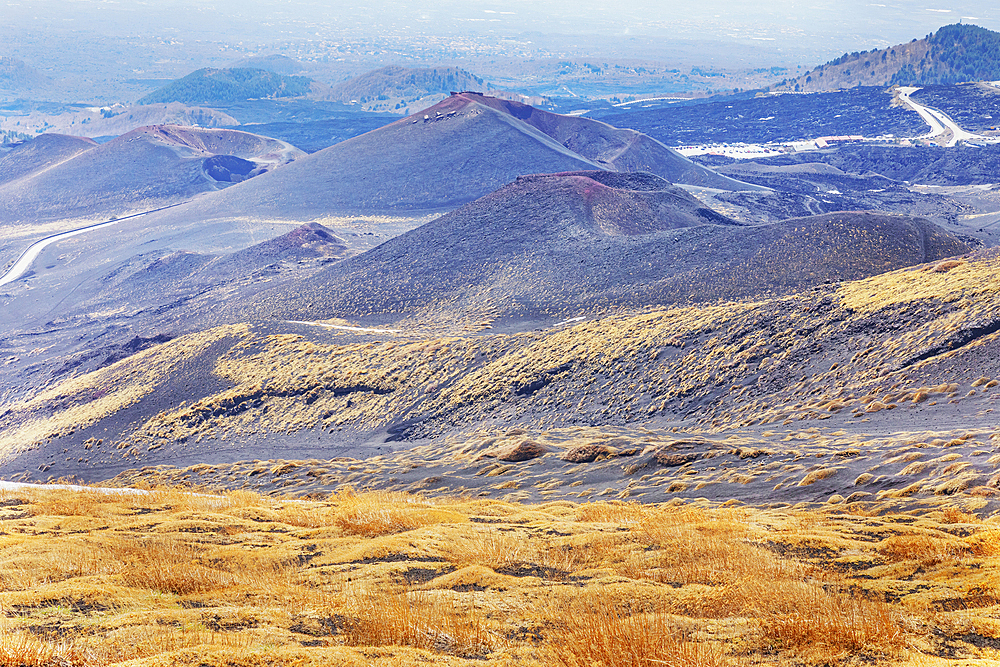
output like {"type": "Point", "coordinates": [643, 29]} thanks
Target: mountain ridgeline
{"type": "Point", "coordinates": [442, 158]}
{"type": "Point", "coordinates": [483, 267]}
{"type": "Point", "coordinates": [57, 177]}
{"type": "Point", "coordinates": [551, 244]}
{"type": "Point", "coordinates": [954, 54]}
{"type": "Point", "coordinates": [400, 84]}
{"type": "Point", "coordinates": [221, 86]}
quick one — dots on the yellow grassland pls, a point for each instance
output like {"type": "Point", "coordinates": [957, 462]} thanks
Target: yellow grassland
{"type": "Point", "coordinates": [965, 282]}
{"type": "Point", "coordinates": [173, 578]}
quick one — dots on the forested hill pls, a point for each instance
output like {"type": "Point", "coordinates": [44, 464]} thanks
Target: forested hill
{"type": "Point", "coordinates": [208, 86]}
{"type": "Point", "coordinates": [958, 53]}
{"type": "Point", "coordinates": [17, 75]}
{"type": "Point", "coordinates": [954, 54]}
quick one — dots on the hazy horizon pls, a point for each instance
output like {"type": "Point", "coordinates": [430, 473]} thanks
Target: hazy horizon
{"type": "Point", "coordinates": [111, 50]}
{"type": "Point", "coordinates": [825, 27]}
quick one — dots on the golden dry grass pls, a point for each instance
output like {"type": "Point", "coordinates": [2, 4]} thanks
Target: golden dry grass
{"type": "Point", "coordinates": [420, 619]}
{"type": "Point", "coordinates": [82, 400]}
{"type": "Point", "coordinates": [176, 578]}
{"type": "Point", "coordinates": [593, 630]}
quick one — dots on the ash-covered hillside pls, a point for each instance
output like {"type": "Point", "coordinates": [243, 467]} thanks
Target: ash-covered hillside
{"type": "Point", "coordinates": [435, 161]}
{"type": "Point", "coordinates": [912, 349]}
{"type": "Point", "coordinates": [553, 244]}
{"type": "Point", "coordinates": [55, 176]}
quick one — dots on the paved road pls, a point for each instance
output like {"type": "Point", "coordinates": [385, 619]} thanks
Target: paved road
{"type": "Point", "coordinates": [939, 121]}
{"type": "Point", "coordinates": [27, 257]}
{"type": "Point", "coordinates": [652, 99]}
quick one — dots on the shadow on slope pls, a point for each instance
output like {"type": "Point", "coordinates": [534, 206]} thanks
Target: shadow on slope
{"type": "Point", "coordinates": [614, 148]}
{"type": "Point", "coordinates": [158, 284]}
{"type": "Point", "coordinates": [910, 350]}
{"type": "Point", "coordinates": [158, 292]}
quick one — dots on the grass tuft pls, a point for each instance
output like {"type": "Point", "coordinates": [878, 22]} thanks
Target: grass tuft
{"type": "Point", "coordinates": [594, 631]}
{"type": "Point", "coordinates": [831, 627]}
{"type": "Point", "coordinates": [420, 619]}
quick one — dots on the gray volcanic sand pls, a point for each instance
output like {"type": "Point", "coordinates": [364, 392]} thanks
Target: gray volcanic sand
{"type": "Point", "coordinates": [554, 244]}
{"type": "Point", "coordinates": [824, 360]}
{"type": "Point", "coordinates": [41, 153]}
{"type": "Point", "coordinates": [74, 311]}
{"type": "Point", "coordinates": [812, 464]}
{"type": "Point", "coordinates": [590, 245]}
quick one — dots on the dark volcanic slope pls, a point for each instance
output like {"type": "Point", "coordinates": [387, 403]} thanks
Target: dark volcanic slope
{"type": "Point", "coordinates": [92, 317]}
{"type": "Point", "coordinates": [419, 163]}
{"type": "Point", "coordinates": [911, 350]}
{"type": "Point", "coordinates": [449, 155]}
{"type": "Point", "coordinates": [146, 168]}
{"type": "Point", "coordinates": [613, 148]}
{"type": "Point", "coordinates": [548, 243]}
{"type": "Point", "coordinates": [769, 118]}
{"type": "Point", "coordinates": [40, 153]}
{"type": "Point", "coordinates": [936, 165]}
{"type": "Point", "coordinates": [173, 276]}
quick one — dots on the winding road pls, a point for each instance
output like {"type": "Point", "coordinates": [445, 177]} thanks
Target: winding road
{"type": "Point", "coordinates": [31, 253]}
{"type": "Point", "coordinates": [938, 121]}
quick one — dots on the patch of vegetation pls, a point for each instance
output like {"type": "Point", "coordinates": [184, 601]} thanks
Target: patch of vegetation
{"type": "Point", "coordinates": [955, 53]}
{"type": "Point", "coordinates": [402, 83]}
{"type": "Point", "coordinates": [855, 347]}
{"type": "Point", "coordinates": [11, 137]}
